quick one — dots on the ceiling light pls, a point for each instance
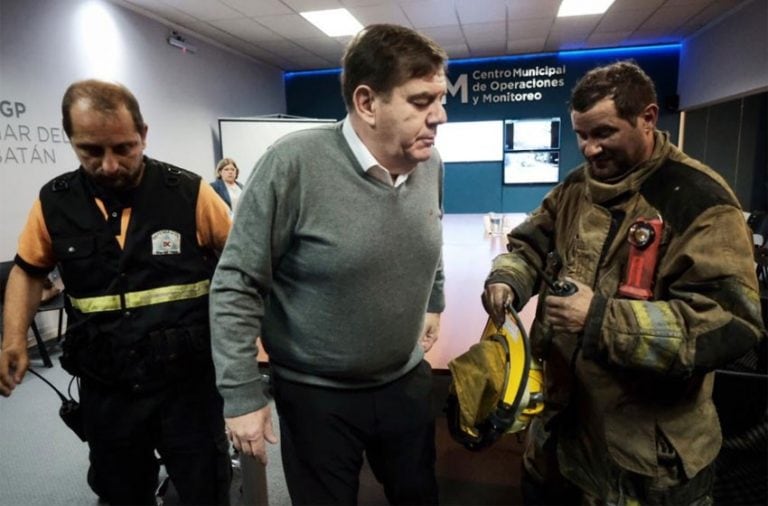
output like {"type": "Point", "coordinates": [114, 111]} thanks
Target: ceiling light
{"type": "Point", "coordinates": [583, 7]}
{"type": "Point", "coordinates": [334, 22]}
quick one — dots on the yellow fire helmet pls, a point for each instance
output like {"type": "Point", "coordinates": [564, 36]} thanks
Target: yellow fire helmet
{"type": "Point", "coordinates": [496, 386]}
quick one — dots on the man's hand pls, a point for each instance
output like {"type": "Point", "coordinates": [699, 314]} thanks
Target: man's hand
{"type": "Point", "coordinates": [22, 297]}
{"type": "Point", "coordinates": [496, 298]}
{"type": "Point", "coordinates": [431, 331]}
{"type": "Point", "coordinates": [569, 314]}
{"type": "Point", "coordinates": [14, 362]}
{"type": "Point", "coordinates": [248, 432]}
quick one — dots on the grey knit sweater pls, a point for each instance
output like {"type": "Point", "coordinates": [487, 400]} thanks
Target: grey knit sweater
{"type": "Point", "coordinates": [333, 269]}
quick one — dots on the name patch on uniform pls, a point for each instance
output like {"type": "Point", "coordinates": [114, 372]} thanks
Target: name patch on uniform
{"type": "Point", "coordinates": [166, 242]}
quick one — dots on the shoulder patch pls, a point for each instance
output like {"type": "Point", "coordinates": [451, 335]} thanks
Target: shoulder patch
{"type": "Point", "coordinates": [59, 185]}
{"type": "Point", "coordinates": [681, 193]}
{"type": "Point", "coordinates": [171, 175]}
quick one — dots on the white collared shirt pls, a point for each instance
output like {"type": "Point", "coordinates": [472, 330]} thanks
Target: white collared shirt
{"type": "Point", "coordinates": [364, 156]}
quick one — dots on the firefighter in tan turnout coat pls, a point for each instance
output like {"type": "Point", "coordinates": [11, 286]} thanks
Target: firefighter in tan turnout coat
{"type": "Point", "coordinates": [659, 250]}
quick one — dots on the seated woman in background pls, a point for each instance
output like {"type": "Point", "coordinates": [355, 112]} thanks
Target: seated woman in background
{"type": "Point", "coordinates": [226, 184]}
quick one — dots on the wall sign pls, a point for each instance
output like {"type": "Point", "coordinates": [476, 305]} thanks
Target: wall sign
{"type": "Point", "coordinates": [27, 144]}
{"type": "Point", "coordinates": [506, 85]}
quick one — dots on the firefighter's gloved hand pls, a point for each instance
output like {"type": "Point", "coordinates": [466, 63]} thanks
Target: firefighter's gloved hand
{"type": "Point", "coordinates": [496, 298]}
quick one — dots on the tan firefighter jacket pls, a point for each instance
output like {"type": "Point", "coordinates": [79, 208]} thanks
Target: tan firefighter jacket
{"type": "Point", "coordinates": [639, 366]}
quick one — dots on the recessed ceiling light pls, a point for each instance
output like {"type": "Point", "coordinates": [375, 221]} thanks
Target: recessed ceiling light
{"type": "Point", "coordinates": [334, 22]}
{"type": "Point", "coordinates": [583, 7]}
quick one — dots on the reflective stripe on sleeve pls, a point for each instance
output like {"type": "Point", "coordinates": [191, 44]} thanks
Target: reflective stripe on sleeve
{"type": "Point", "coordinates": [143, 298]}
{"type": "Point", "coordinates": [659, 336]}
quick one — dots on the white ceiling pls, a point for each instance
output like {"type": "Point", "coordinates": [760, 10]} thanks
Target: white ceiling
{"type": "Point", "coordinates": [273, 32]}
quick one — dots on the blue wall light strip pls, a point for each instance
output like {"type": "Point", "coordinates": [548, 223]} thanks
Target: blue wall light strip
{"type": "Point", "coordinates": [575, 53]}
{"type": "Point", "coordinates": [305, 73]}
{"type": "Point", "coordinates": [571, 53]}
{"type": "Point", "coordinates": [580, 53]}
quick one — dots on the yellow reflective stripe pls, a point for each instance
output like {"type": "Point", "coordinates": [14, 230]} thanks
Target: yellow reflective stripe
{"type": "Point", "coordinates": [142, 298]}
{"type": "Point", "coordinates": [96, 304]}
{"type": "Point", "coordinates": [166, 294]}
{"type": "Point", "coordinates": [659, 345]}
{"type": "Point", "coordinates": [656, 316]}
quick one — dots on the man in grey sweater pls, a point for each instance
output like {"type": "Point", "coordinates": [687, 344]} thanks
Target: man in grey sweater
{"type": "Point", "coordinates": [334, 261]}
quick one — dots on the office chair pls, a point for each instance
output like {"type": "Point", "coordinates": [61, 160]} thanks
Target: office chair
{"type": "Point", "coordinates": [54, 304]}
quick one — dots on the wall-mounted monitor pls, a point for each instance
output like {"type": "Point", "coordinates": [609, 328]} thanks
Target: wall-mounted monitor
{"type": "Point", "coordinates": [522, 167]}
{"type": "Point", "coordinates": [527, 134]}
{"type": "Point", "coordinates": [470, 141]}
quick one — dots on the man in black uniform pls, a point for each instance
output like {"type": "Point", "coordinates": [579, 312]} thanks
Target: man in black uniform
{"type": "Point", "coordinates": [136, 241]}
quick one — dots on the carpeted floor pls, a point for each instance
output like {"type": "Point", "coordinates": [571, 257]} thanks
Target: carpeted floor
{"type": "Point", "coordinates": [43, 464]}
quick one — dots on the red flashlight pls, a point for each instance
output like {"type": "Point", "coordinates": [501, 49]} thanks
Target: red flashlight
{"type": "Point", "coordinates": [644, 239]}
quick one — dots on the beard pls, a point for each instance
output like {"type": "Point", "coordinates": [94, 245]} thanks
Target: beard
{"type": "Point", "coordinates": [608, 167]}
{"type": "Point", "coordinates": [123, 179]}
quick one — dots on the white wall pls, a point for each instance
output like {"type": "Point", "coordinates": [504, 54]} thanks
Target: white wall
{"type": "Point", "coordinates": [727, 59]}
{"type": "Point", "coordinates": [47, 44]}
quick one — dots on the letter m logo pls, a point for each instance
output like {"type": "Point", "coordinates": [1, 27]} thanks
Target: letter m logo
{"type": "Point", "coordinates": [459, 85]}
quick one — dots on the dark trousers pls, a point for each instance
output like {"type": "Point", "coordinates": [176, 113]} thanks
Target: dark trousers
{"type": "Point", "coordinates": [183, 422]}
{"type": "Point", "coordinates": [325, 432]}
